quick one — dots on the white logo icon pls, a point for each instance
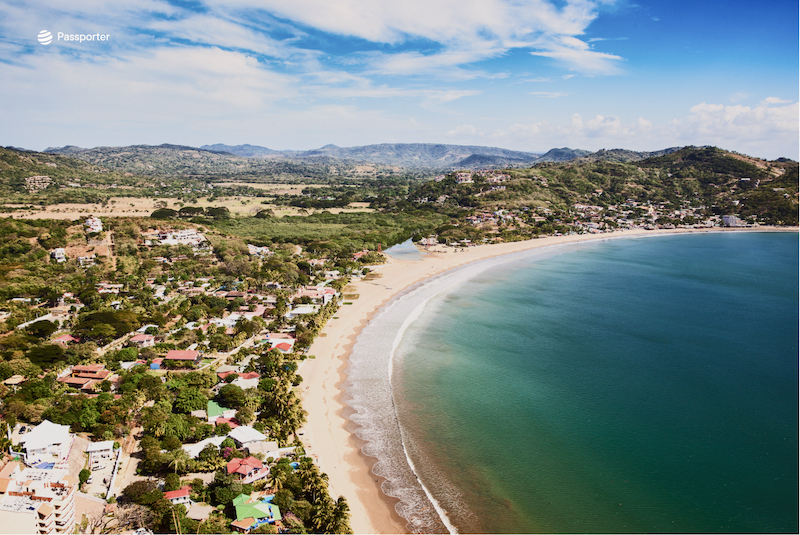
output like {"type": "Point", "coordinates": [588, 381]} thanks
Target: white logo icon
{"type": "Point", "coordinates": [45, 37]}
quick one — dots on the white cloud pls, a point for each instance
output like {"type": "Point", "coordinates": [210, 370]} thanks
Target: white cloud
{"type": "Point", "coordinates": [767, 132]}
{"type": "Point", "coordinates": [464, 129]}
{"type": "Point", "coordinates": [775, 100]}
{"type": "Point", "coordinates": [579, 56]}
{"type": "Point", "coordinates": [547, 94]}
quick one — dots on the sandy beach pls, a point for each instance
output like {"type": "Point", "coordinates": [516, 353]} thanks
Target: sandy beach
{"type": "Point", "coordinates": [329, 434]}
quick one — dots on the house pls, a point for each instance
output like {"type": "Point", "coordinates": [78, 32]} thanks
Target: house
{"type": "Point", "coordinates": [268, 448]}
{"type": "Point", "coordinates": [59, 255]}
{"type": "Point", "coordinates": [87, 377]}
{"type": "Point", "coordinates": [180, 496]}
{"type": "Point", "coordinates": [142, 340]}
{"type": "Point", "coordinates": [193, 450]}
{"type": "Point", "coordinates": [183, 355]}
{"type": "Point", "coordinates": [214, 411]}
{"type": "Point", "coordinates": [243, 380]}
{"type": "Point", "coordinates": [93, 225]}
{"type": "Point", "coordinates": [14, 380]}
{"type": "Point", "coordinates": [46, 443]}
{"type": "Point", "coordinates": [100, 452]}
{"type": "Point", "coordinates": [36, 501]}
{"type": "Point", "coordinates": [248, 470]}
{"type": "Point", "coordinates": [156, 364]}
{"type": "Point", "coordinates": [251, 513]}
{"type": "Point", "coordinates": [244, 435]}
{"type": "Point", "coordinates": [301, 310]}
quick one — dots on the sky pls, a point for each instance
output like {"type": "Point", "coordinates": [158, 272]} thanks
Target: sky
{"type": "Point", "coordinates": [527, 75]}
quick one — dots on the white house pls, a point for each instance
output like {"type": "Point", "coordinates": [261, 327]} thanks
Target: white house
{"type": "Point", "coordinates": [47, 442]}
{"type": "Point", "coordinates": [245, 435]}
{"type": "Point", "coordinates": [99, 452]}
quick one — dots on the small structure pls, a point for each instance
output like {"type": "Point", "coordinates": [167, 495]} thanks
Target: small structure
{"type": "Point", "coordinates": [14, 380]}
{"type": "Point", "coordinates": [59, 255]}
{"type": "Point", "coordinates": [180, 496]}
{"type": "Point", "coordinates": [199, 512]}
{"type": "Point", "coordinates": [65, 339]}
{"type": "Point", "coordinates": [193, 450]}
{"type": "Point", "coordinates": [245, 435]}
{"type": "Point", "coordinates": [99, 452]}
{"type": "Point", "coordinates": [142, 340]}
{"type": "Point", "coordinates": [214, 411]}
{"type": "Point", "coordinates": [94, 225]}
{"type": "Point", "coordinates": [268, 448]}
{"type": "Point", "coordinates": [252, 513]}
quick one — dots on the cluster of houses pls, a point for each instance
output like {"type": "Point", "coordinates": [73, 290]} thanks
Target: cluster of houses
{"type": "Point", "coordinates": [468, 177]}
{"type": "Point", "coordinates": [35, 183]}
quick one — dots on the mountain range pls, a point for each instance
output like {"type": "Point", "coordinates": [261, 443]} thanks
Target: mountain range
{"type": "Point", "coordinates": [221, 159]}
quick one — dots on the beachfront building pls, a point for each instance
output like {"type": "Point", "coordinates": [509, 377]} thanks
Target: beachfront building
{"type": "Point", "coordinates": [46, 444]}
{"type": "Point", "coordinates": [252, 513]}
{"type": "Point", "coordinates": [36, 501]}
{"type": "Point", "coordinates": [245, 435]}
{"type": "Point", "coordinates": [248, 470]}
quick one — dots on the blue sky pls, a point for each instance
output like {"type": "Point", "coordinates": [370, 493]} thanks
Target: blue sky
{"type": "Point", "coordinates": [521, 74]}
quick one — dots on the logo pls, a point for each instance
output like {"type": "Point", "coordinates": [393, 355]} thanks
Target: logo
{"type": "Point", "coordinates": [45, 37]}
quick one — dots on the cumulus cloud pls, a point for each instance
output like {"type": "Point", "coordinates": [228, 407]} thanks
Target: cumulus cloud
{"type": "Point", "coordinates": [768, 132]}
{"type": "Point", "coordinates": [775, 100]}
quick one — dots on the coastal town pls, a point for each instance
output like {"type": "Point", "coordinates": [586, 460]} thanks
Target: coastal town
{"type": "Point", "coordinates": [183, 372]}
{"type": "Point", "coordinates": [165, 399]}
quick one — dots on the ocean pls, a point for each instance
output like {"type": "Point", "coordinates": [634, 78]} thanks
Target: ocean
{"type": "Point", "coordinates": [625, 385]}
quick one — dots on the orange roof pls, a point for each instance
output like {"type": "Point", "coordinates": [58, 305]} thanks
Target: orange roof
{"type": "Point", "coordinates": [244, 523]}
{"type": "Point", "coordinates": [4, 482]}
{"type": "Point", "coordinates": [185, 354]}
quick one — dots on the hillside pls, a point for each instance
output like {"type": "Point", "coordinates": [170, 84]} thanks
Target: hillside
{"type": "Point", "coordinates": [181, 161]}
{"type": "Point", "coordinates": [708, 179]}
{"type": "Point", "coordinates": [25, 175]}
{"type": "Point", "coordinates": [409, 155]}
{"type": "Point", "coordinates": [621, 155]}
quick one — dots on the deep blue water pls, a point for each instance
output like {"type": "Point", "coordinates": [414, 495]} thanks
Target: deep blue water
{"type": "Point", "coordinates": [636, 385]}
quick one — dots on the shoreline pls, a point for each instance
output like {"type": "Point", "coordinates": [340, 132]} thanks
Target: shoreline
{"type": "Point", "coordinates": [330, 433]}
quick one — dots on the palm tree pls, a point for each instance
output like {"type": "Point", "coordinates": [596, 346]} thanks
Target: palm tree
{"type": "Point", "coordinates": [277, 478]}
{"type": "Point", "coordinates": [340, 521]}
{"type": "Point", "coordinates": [179, 459]}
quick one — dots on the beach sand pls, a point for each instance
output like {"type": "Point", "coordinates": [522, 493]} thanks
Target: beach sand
{"type": "Point", "coordinates": [328, 434]}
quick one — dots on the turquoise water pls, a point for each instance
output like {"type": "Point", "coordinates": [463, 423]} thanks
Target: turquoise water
{"type": "Point", "coordinates": [637, 385]}
{"type": "Point", "coordinates": [405, 251]}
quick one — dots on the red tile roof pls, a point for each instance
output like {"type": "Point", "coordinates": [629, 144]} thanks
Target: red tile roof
{"type": "Point", "coordinates": [244, 466]}
{"type": "Point", "coordinates": [182, 492]}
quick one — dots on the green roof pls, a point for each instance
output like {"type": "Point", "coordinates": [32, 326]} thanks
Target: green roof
{"type": "Point", "coordinates": [215, 410]}
{"type": "Point", "coordinates": [256, 510]}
